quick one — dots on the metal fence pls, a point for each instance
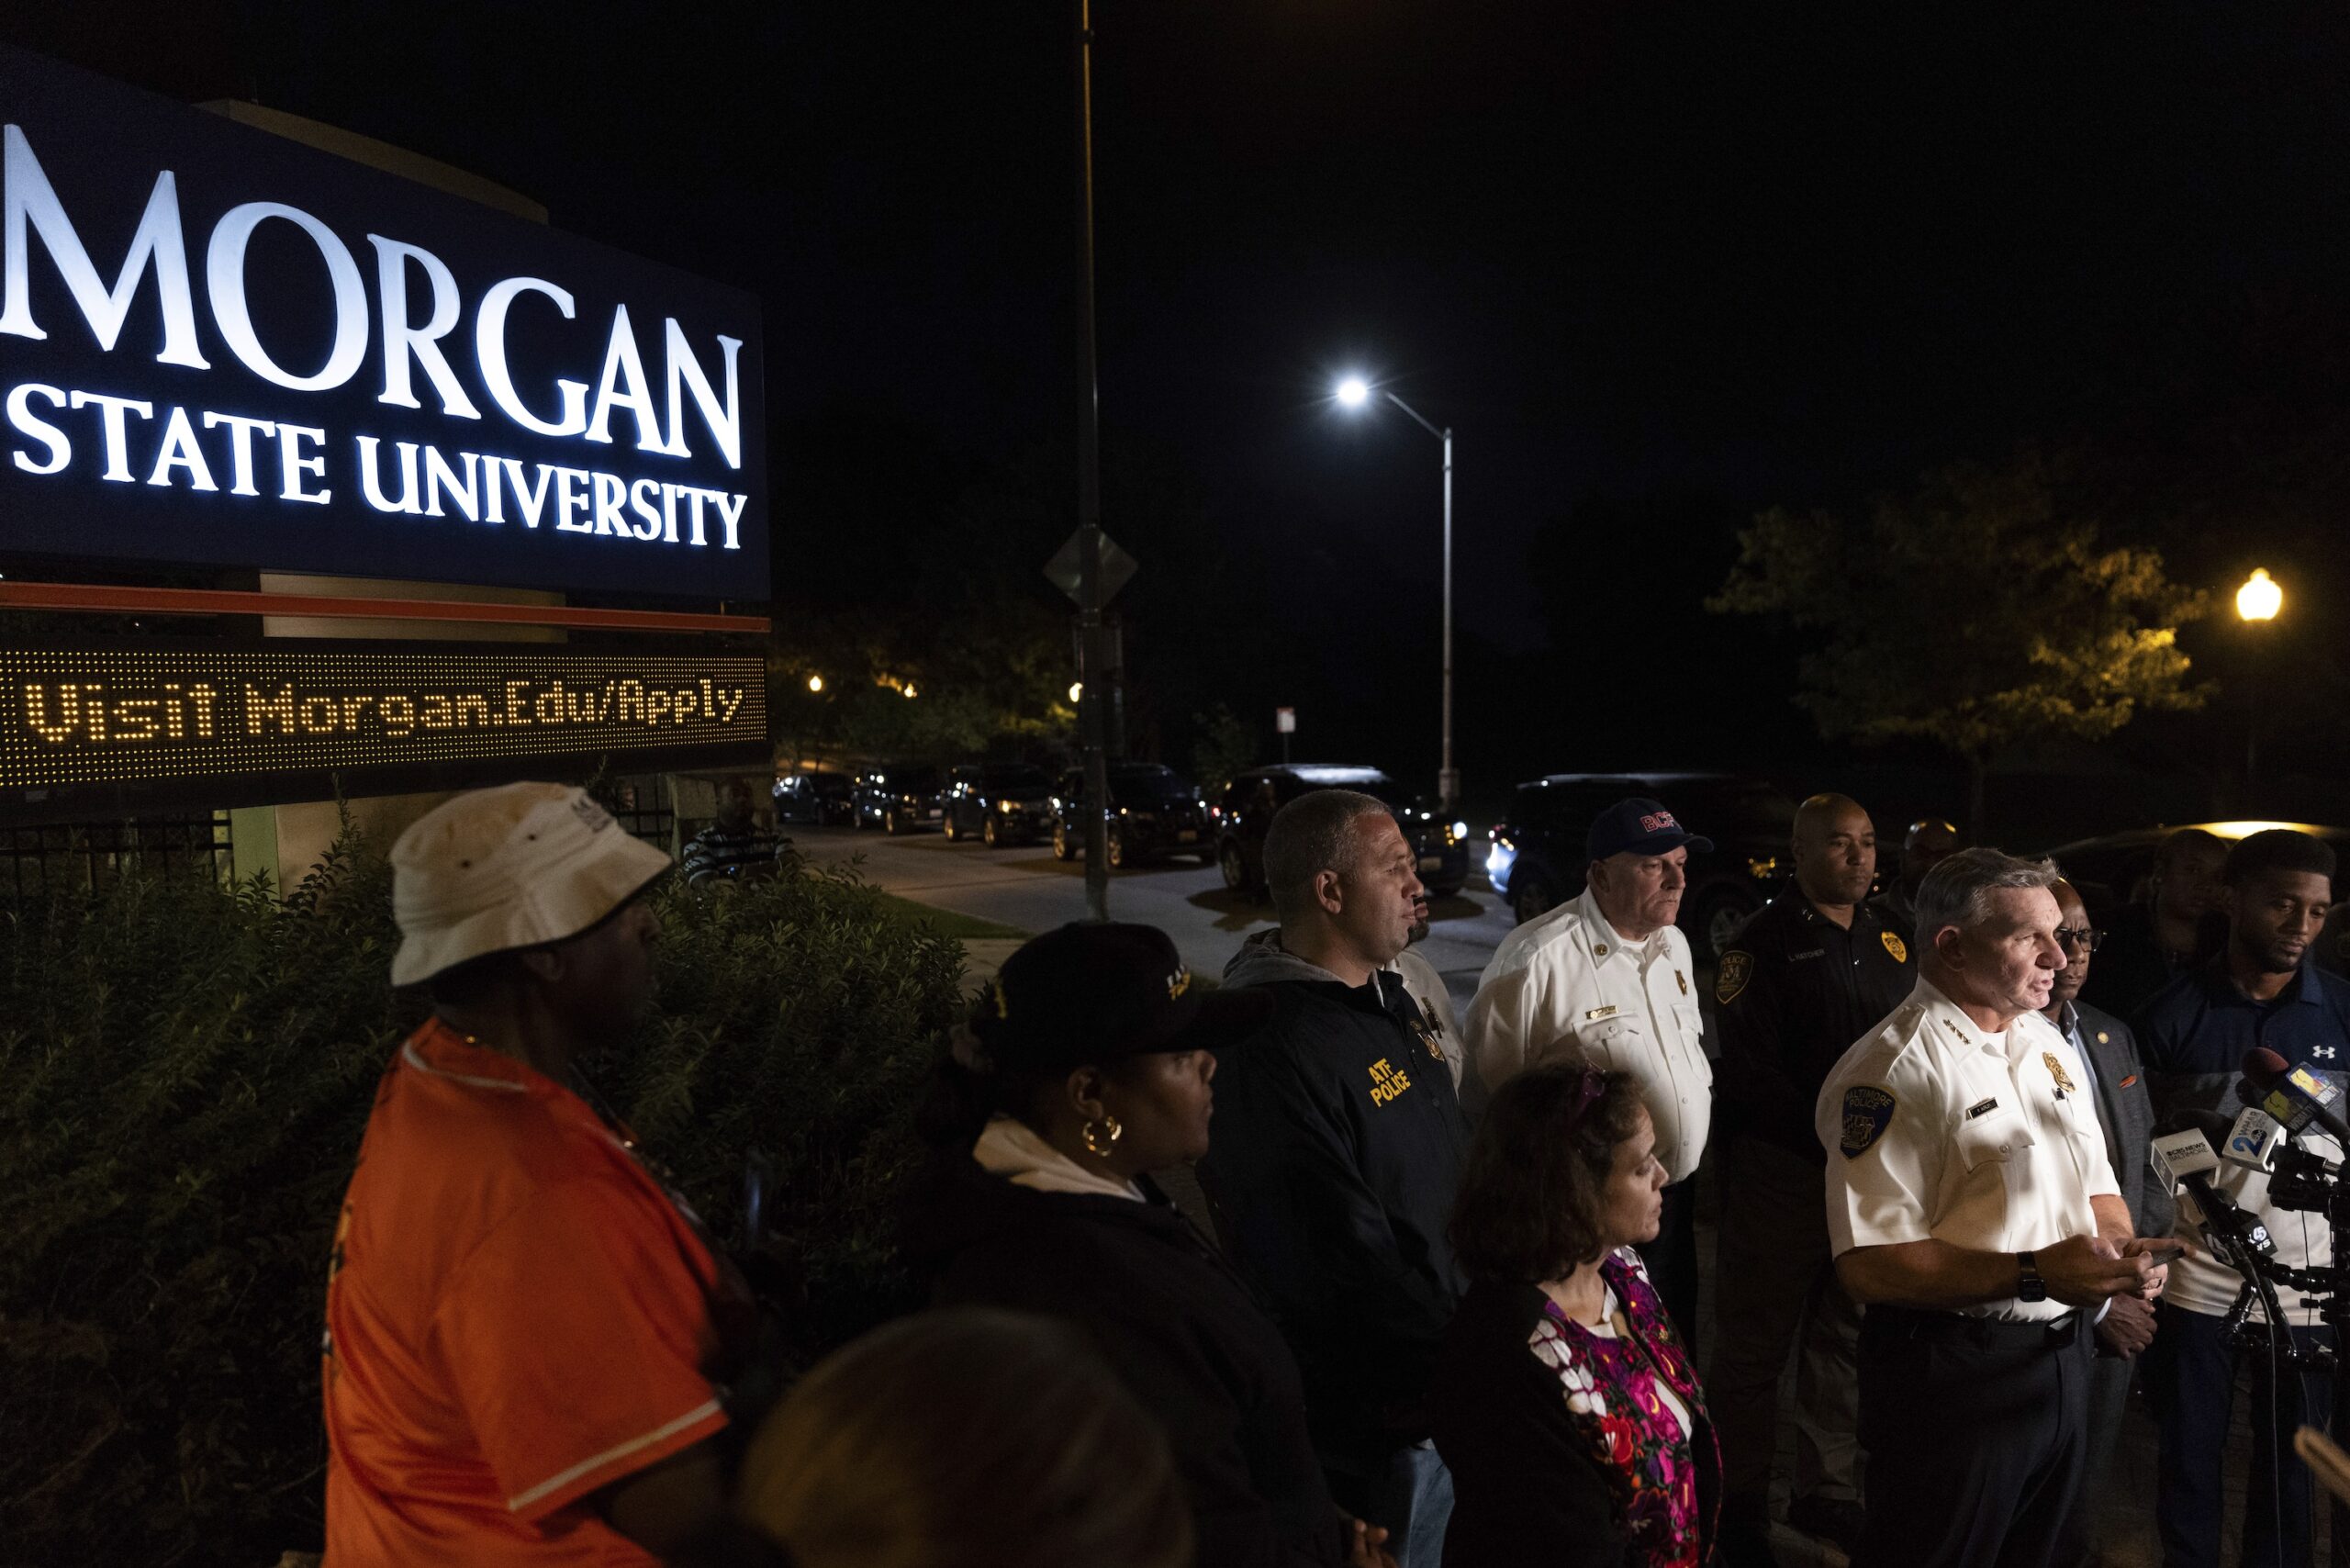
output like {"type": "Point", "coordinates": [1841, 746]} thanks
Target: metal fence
{"type": "Point", "coordinates": [53, 857]}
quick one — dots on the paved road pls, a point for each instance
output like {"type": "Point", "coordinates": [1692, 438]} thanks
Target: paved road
{"type": "Point", "coordinates": [1028, 888]}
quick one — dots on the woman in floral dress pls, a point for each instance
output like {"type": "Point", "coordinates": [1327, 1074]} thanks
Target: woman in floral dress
{"type": "Point", "coordinates": [1566, 1408]}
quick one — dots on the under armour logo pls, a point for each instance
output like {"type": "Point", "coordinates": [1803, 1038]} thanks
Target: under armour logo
{"type": "Point", "coordinates": [2322, 1053]}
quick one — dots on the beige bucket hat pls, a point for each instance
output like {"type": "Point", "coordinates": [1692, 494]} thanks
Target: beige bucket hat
{"type": "Point", "coordinates": [519, 866]}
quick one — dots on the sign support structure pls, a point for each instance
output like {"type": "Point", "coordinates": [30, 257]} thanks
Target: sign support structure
{"type": "Point", "coordinates": [1090, 595]}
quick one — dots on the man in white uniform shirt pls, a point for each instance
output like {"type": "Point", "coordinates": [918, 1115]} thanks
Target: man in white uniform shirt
{"type": "Point", "coordinates": [1973, 1213]}
{"type": "Point", "coordinates": [1607, 978]}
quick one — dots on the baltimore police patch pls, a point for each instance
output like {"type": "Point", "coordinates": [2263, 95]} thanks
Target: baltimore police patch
{"type": "Point", "coordinates": [1737, 969]}
{"type": "Point", "coordinates": [1894, 946]}
{"type": "Point", "coordinates": [1868, 1110]}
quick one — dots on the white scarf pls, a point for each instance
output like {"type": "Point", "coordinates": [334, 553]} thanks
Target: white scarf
{"type": "Point", "coordinates": [1010, 1149]}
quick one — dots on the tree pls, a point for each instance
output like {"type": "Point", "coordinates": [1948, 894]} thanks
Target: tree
{"type": "Point", "coordinates": [1979, 613]}
{"type": "Point", "coordinates": [1222, 744]}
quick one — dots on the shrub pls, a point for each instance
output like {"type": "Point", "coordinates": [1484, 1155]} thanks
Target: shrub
{"type": "Point", "coordinates": [184, 1071]}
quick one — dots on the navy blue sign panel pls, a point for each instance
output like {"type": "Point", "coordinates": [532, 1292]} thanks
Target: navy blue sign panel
{"type": "Point", "coordinates": [221, 347]}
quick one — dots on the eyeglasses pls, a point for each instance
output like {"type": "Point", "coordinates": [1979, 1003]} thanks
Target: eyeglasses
{"type": "Point", "coordinates": [2080, 936]}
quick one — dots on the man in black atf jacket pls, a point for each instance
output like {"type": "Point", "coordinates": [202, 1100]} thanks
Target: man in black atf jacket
{"type": "Point", "coordinates": [1338, 1144]}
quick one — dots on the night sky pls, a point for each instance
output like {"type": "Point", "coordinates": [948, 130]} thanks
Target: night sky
{"type": "Point", "coordinates": [1658, 264]}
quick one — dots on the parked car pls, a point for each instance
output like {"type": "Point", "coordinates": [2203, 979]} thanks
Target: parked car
{"type": "Point", "coordinates": [1246, 806]}
{"type": "Point", "coordinates": [820, 798]}
{"type": "Point", "coordinates": [1536, 860]}
{"type": "Point", "coordinates": [900, 797]}
{"type": "Point", "coordinates": [1154, 812]}
{"type": "Point", "coordinates": [2111, 868]}
{"type": "Point", "coordinates": [998, 802]}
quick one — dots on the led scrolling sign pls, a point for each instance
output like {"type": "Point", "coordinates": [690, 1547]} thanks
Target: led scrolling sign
{"type": "Point", "coordinates": [220, 346]}
{"type": "Point", "coordinates": [137, 712]}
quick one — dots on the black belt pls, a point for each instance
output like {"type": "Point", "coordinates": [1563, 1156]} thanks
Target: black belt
{"type": "Point", "coordinates": [1959, 1328]}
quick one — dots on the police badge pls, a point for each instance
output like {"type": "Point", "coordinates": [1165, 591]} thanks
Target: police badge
{"type": "Point", "coordinates": [1737, 969]}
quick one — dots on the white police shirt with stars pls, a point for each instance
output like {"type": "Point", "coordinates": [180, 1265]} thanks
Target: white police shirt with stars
{"type": "Point", "coordinates": [1935, 1130]}
{"type": "Point", "coordinates": [1568, 985]}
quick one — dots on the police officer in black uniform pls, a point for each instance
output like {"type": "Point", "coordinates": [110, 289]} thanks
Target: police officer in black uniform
{"type": "Point", "coordinates": [1810, 974]}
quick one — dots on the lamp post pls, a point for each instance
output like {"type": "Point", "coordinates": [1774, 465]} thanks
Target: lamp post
{"type": "Point", "coordinates": [2258, 601]}
{"type": "Point", "coordinates": [1354, 393]}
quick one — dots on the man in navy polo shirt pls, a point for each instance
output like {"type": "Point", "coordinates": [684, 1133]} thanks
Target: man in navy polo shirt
{"type": "Point", "coordinates": [2259, 991]}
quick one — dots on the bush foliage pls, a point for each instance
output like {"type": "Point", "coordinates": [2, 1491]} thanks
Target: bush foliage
{"type": "Point", "coordinates": [184, 1072]}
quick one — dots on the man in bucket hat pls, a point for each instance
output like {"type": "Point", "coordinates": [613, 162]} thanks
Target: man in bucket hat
{"type": "Point", "coordinates": [524, 1330]}
{"type": "Point", "coordinates": [1607, 978]}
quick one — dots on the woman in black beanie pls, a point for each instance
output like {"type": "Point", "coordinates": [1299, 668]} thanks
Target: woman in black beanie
{"type": "Point", "coordinates": [1085, 1065]}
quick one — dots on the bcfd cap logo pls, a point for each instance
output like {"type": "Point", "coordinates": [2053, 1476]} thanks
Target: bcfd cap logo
{"type": "Point", "coordinates": [1657, 822]}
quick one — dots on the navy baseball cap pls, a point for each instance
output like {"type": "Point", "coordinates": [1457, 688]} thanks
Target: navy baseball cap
{"type": "Point", "coordinates": [1640, 826]}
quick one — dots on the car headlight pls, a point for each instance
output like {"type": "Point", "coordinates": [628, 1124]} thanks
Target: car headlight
{"type": "Point", "coordinates": [1460, 831]}
{"type": "Point", "coordinates": [1009, 808]}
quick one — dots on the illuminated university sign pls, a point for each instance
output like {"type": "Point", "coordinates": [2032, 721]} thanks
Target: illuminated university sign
{"type": "Point", "coordinates": [246, 722]}
{"type": "Point", "coordinates": [218, 346]}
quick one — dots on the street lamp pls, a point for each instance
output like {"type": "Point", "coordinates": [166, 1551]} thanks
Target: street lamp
{"type": "Point", "coordinates": [1076, 692]}
{"type": "Point", "coordinates": [2258, 601]}
{"type": "Point", "coordinates": [1354, 392]}
{"type": "Point", "coordinates": [815, 683]}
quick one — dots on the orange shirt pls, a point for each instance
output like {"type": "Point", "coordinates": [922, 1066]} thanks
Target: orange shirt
{"type": "Point", "coordinates": [517, 1315]}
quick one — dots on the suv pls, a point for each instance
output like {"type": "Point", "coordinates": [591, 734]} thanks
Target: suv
{"type": "Point", "coordinates": [820, 800]}
{"type": "Point", "coordinates": [1248, 803]}
{"type": "Point", "coordinates": [1002, 802]}
{"type": "Point", "coordinates": [1536, 859]}
{"type": "Point", "coordinates": [899, 797]}
{"type": "Point", "coordinates": [1154, 811]}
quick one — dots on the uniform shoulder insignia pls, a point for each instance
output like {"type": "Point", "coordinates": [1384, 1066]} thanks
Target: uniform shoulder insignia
{"type": "Point", "coordinates": [1737, 969]}
{"type": "Point", "coordinates": [1868, 1110]}
{"type": "Point", "coordinates": [1894, 946]}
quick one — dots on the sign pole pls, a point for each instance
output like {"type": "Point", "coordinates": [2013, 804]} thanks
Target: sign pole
{"type": "Point", "coordinates": [1089, 501]}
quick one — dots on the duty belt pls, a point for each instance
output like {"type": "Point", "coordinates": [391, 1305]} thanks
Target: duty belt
{"type": "Point", "coordinates": [1960, 1328]}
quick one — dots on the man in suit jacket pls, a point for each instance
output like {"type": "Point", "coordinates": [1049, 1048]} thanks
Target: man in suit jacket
{"type": "Point", "coordinates": [2126, 1112]}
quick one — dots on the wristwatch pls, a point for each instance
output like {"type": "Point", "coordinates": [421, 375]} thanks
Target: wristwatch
{"type": "Point", "coordinates": [2031, 1287]}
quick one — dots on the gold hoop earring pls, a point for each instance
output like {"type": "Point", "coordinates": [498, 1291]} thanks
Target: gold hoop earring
{"type": "Point", "coordinates": [1102, 1143]}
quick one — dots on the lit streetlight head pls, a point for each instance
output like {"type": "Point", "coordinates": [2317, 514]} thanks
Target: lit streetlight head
{"type": "Point", "coordinates": [815, 683]}
{"type": "Point", "coordinates": [1077, 691]}
{"type": "Point", "coordinates": [909, 688]}
{"type": "Point", "coordinates": [1353, 392]}
{"type": "Point", "coordinates": [2260, 599]}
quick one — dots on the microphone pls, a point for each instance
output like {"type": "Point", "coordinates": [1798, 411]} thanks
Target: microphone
{"type": "Point", "coordinates": [2183, 1157]}
{"type": "Point", "coordinates": [2252, 1141]}
{"type": "Point", "coordinates": [2294, 1095]}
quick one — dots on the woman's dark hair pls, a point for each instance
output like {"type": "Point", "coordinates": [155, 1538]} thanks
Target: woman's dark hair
{"type": "Point", "coordinates": [967, 1438]}
{"type": "Point", "coordinates": [1528, 1208]}
{"type": "Point", "coordinates": [959, 1101]}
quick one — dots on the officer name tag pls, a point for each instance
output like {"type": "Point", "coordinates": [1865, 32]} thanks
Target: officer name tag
{"type": "Point", "coordinates": [1596, 1014]}
{"type": "Point", "coordinates": [1982, 1108]}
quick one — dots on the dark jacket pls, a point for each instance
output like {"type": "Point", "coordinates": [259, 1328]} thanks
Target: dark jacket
{"type": "Point", "coordinates": [2125, 1109]}
{"type": "Point", "coordinates": [1527, 1487]}
{"type": "Point", "coordinates": [1795, 990]}
{"type": "Point", "coordinates": [1337, 1147]}
{"type": "Point", "coordinates": [1176, 1324]}
{"type": "Point", "coordinates": [2130, 964]}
